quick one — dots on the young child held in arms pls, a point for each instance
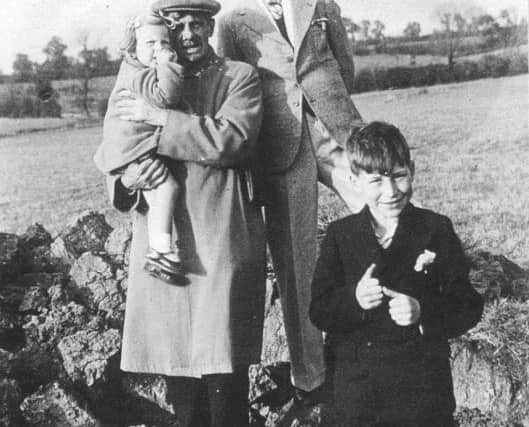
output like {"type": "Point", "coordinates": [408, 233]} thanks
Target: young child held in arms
{"type": "Point", "coordinates": [148, 69]}
{"type": "Point", "coordinates": [391, 286]}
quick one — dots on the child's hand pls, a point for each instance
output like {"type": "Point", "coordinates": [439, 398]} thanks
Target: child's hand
{"type": "Point", "coordinates": [368, 291]}
{"type": "Point", "coordinates": [403, 309]}
{"type": "Point", "coordinates": [165, 55]}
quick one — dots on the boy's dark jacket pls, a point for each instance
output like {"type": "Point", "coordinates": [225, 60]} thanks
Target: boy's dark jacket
{"type": "Point", "coordinates": [366, 343]}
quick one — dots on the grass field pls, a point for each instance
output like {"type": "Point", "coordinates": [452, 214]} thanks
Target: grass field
{"type": "Point", "coordinates": [470, 143]}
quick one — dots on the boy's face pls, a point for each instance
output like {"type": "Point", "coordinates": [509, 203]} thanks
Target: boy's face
{"type": "Point", "coordinates": [386, 194]}
{"type": "Point", "coordinates": [151, 39]}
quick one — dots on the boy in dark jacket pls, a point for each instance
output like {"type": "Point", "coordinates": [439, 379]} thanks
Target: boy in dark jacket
{"type": "Point", "coordinates": [390, 287]}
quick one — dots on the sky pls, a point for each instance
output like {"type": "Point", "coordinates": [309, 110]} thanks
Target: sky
{"type": "Point", "coordinates": [27, 25]}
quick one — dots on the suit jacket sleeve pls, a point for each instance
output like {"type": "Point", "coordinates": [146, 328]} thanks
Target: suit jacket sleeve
{"type": "Point", "coordinates": [161, 85]}
{"type": "Point", "coordinates": [226, 139]}
{"type": "Point", "coordinates": [457, 307]}
{"type": "Point", "coordinates": [340, 45]}
{"type": "Point", "coordinates": [333, 307]}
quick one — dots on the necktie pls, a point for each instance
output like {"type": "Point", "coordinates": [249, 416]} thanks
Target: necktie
{"type": "Point", "coordinates": [276, 8]}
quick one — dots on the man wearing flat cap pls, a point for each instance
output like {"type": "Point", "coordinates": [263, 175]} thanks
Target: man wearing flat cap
{"type": "Point", "coordinates": [204, 333]}
{"type": "Point", "coordinates": [304, 59]}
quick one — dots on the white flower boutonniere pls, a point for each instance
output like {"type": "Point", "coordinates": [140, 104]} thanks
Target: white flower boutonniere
{"type": "Point", "coordinates": [424, 260]}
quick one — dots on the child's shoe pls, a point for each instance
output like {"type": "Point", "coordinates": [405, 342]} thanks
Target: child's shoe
{"type": "Point", "coordinates": [165, 266]}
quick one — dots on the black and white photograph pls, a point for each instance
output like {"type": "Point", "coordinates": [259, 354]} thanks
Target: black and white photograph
{"type": "Point", "coordinates": [264, 213]}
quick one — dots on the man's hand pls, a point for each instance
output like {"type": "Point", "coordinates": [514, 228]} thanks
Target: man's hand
{"type": "Point", "coordinates": [403, 309]}
{"type": "Point", "coordinates": [134, 108]}
{"type": "Point", "coordinates": [368, 291]}
{"type": "Point", "coordinates": [145, 174]}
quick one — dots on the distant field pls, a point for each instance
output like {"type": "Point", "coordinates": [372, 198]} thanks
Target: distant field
{"type": "Point", "coordinates": [470, 142]}
{"type": "Point", "coordinates": [102, 86]}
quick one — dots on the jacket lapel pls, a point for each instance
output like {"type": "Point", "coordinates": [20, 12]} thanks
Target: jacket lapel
{"type": "Point", "coordinates": [410, 240]}
{"type": "Point", "coordinates": [267, 26]}
{"type": "Point", "coordinates": [298, 19]}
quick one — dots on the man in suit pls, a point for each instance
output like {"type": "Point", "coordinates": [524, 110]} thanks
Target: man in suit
{"type": "Point", "coordinates": [304, 59]}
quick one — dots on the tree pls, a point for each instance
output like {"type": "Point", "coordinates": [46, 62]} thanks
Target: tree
{"type": "Point", "coordinates": [56, 66]}
{"type": "Point", "coordinates": [93, 62]}
{"type": "Point", "coordinates": [350, 27]}
{"type": "Point", "coordinates": [412, 30]}
{"type": "Point", "coordinates": [365, 28]}
{"type": "Point", "coordinates": [23, 68]}
{"type": "Point", "coordinates": [378, 31]}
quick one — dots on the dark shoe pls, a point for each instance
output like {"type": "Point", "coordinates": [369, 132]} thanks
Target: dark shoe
{"type": "Point", "coordinates": [321, 394]}
{"type": "Point", "coordinates": [163, 268]}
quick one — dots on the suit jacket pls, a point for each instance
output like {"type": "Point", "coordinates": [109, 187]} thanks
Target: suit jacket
{"type": "Point", "coordinates": [400, 362]}
{"type": "Point", "coordinates": [317, 66]}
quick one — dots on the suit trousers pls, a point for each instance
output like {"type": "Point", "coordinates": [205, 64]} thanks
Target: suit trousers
{"type": "Point", "coordinates": [218, 400]}
{"type": "Point", "coordinates": [291, 221]}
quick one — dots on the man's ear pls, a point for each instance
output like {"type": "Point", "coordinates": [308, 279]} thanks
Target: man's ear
{"type": "Point", "coordinates": [412, 168]}
{"type": "Point", "coordinates": [211, 25]}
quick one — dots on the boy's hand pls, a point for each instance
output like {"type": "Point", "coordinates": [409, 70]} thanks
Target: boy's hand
{"type": "Point", "coordinates": [403, 309]}
{"type": "Point", "coordinates": [163, 56]}
{"type": "Point", "coordinates": [368, 291]}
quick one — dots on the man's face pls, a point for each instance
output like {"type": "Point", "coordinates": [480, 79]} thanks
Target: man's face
{"type": "Point", "coordinates": [386, 194]}
{"type": "Point", "coordinates": [191, 34]}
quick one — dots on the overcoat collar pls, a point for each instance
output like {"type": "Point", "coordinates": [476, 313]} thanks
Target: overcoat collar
{"type": "Point", "coordinates": [411, 238]}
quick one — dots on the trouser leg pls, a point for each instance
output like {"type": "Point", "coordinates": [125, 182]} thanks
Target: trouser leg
{"type": "Point", "coordinates": [189, 400]}
{"type": "Point", "coordinates": [291, 219]}
{"type": "Point", "coordinates": [228, 399]}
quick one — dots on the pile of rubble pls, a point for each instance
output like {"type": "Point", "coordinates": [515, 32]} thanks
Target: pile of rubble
{"type": "Point", "coordinates": [62, 302]}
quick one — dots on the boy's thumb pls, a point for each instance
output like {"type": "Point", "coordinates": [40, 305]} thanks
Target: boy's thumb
{"type": "Point", "coordinates": [390, 292]}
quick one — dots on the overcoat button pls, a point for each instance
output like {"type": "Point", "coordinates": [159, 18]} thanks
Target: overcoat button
{"type": "Point", "coordinates": [289, 58]}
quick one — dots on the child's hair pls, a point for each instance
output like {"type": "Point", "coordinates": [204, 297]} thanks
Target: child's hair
{"type": "Point", "coordinates": [377, 148]}
{"type": "Point", "coordinates": [128, 45]}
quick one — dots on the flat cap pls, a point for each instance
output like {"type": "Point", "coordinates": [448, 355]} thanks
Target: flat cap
{"type": "Point", "coordinates": [211, 7]}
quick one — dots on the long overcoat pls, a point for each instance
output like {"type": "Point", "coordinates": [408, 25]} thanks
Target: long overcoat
{"type": "Point", "coordinates": [215, 322]}
{"type": "Point", "coordinates": [383, 370]}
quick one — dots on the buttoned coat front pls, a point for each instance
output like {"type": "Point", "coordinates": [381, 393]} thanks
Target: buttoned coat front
{"type": "Point", "coordinates": [316, 65]}
{"type": "Point", "coordinates": [382, 369]}
{"type": "Point", "coordinates": [214, 323]}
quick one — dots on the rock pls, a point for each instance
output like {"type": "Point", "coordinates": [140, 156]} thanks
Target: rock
{"type": "Point", "coordinates": [52, 406]}
{"type": "Point", "coordinates": [9, 257]}
{"type": "Point", "coordinates": [59, 250]}
{"type": "Point", "coordinates": [61, 320]}
{"type": "Point", "coordinates": [35, 235]}
{"type": "Point", "coordinates": [11, 333]}
{"type": "Point", "coordinates": [94, 278]}
{"type": "Point", "coordinates": [58, 295]}
{"type": "Point", "coordinates": [34, 366]}
{"type": "Point", "coordinates": [152, 388]}
{"type": "Point", "coordinates": [6, 363]}
{"type": "Point", "coordinates": [118, 242]}
{"type": "Point", "coordinates": [87, 232]}
{"type": "Point", "coordinates": [274, 336]}
{"type": "Point", "coordinates": [86, 355]}
{"type": "Point", "coordinates": [479, 384]}
{"type": "Point", "coordinates": [10, 398]}
{"type": "Point", "coordinates": [494, 276]}
{"type": "Point", "coordinates": [34, 300]}
{"type": "Point", "coordinates": [44, 280]}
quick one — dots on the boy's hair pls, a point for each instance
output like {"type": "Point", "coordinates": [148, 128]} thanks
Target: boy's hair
{"type": "Point", "coordinates": [377, 148]}
{"type": "Point", "coordinates": [128, 44]}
